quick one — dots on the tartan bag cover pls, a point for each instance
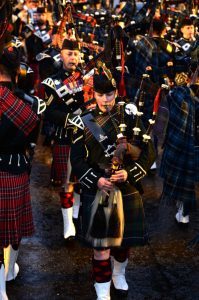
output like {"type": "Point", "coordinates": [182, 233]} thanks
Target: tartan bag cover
{"type": "Point", "coordinates": [19, 113]}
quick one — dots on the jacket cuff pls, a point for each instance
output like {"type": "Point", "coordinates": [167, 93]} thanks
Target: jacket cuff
{"type": "Point", "coordinates": [136, 172]}
{"type": "Point", "coordinates": [89, 179]}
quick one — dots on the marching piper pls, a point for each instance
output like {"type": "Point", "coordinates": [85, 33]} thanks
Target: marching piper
{"type": "Point", "coordinates": [187, 40]}
{"type": "Point", "coordinates": [62, 99]}
{"type": "Point", "coordinates": [110, 166]}
{"type": "Point", "coordinates": [182, 145]}
{"type": "Point", "coordinates": [18, 119]}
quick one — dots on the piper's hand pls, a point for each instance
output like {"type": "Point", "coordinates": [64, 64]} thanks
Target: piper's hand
{"type": "Point", "coordinates": [119, 176]}
{"type": "Point", "coordinates": [134, 151]}
{"type": "Point", "coordinates": [104, 184]}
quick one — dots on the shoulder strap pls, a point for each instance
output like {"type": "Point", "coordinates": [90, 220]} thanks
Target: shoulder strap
{"type": "Point", "coordinates": [98, 133]}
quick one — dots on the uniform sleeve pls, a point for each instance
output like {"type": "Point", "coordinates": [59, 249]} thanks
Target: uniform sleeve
{"type": "Point", "coordinates": [56, 110]}
{"type": "Point", "coordinates": [87, 176]}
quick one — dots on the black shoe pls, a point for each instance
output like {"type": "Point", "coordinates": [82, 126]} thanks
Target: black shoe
{"type": "Point", "coordinates": [120, 293]}
{"type": "Point", "coordinates": [181, 225]}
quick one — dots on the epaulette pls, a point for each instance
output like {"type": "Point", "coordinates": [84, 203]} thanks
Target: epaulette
{"type": "Point", "coordinates": [42, 55]}
{"type": "Point", "coordinates": [76, 121]}
{"type": "Point", "coordinates": [30, 27]}
{"type": "Point", "coordinates": [165, 45]}
{"type": "Point", "coordinates": [46, 54]}
{"type": "Point", "coordinates": [49, 82]}
{"type": "Point", "coordinates": [169, 48]}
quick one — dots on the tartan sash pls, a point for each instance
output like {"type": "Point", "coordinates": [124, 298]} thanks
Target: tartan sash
{"type": "Point", "coordinates": [98, 133]}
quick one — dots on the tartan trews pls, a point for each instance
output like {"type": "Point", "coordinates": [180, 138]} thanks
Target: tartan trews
{"type": "Point", "coordinates": [15, 208]}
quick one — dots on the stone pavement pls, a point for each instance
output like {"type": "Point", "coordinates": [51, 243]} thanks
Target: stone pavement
{"type": "Point", "coordinates": [52, 268]}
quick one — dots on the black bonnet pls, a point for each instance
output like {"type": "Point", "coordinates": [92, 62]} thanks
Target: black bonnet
{"type": "Point", "coordinates": [103, 81]}
{"type": "Point", "coordinates": [70, 45]}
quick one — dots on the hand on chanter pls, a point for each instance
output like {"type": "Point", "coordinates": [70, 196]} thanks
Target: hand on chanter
{"type": "Point", "coordinates": [119, 176]}
{"type": "Point", "coordinates": [104, 184]}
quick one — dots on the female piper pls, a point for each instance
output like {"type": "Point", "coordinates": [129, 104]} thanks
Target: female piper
{"type": "Point", "coordinates": [109, 165]}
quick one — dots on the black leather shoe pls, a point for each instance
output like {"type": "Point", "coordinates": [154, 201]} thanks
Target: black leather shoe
{"type": "Point", "coordinates": [182, 226]}
{"type": "Point", "coordinates": [120, 293]}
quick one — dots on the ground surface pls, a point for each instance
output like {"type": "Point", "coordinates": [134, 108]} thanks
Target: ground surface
{"type": "Point", "coordinates": [53, 269]}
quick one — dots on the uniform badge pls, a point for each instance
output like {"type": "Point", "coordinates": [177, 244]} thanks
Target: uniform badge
{"type": "Point", "coordinates": [102, 138]}
{"type": "Point", "coordinates": [110, 150]}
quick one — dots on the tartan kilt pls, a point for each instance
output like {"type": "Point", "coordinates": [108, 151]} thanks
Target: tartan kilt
{"type": "Point", "coordinates": [59, 165]}
{"type": "Point", "coordinates": [134, 225]}
{"type": "Point", "coordinates": [16, 219]}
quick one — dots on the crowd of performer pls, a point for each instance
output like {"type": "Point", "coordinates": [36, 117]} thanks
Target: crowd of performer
{"type": "Point", "coordinates": [105, 82]}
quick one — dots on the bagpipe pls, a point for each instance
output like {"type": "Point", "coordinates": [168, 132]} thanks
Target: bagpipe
{"type": "Point", "coordinates": [146, 137]}
{"type": "Point", "coordinates": [68, 28]}
{"type": "Point", "coordinates": [140, 101]}
{"type": "Point", "coordinates": [115, 48]}
{"type": "Point", "coordinates": [67, 18]}
{"type": "Point", "coordinates": [85, 17]}
{"type": "Point", "coordinates": [141, 20]}
{"type": "Point", "coordinates": [120, 58]}
{"type": "Point", "coordinates": [122, 146]}
{"type": "Point", "coordinates": [91, 47]}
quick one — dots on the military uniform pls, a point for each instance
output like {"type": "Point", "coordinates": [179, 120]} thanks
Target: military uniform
{"type": "Point", "coordinates": [61, 101]}
{"type": "Point", "coordinates": [89, 161]}
{"type": "Point", "coordinates": [64, 95]}
{"type": "Point", "coordinates": [111, 212]}
{"type": "Point", "coordinates": [17, 123]}
{"type": "Point", "coordinates": [187, 46]}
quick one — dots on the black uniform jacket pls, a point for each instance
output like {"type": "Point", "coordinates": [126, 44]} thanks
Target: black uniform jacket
{"type": "Point", "coordinates": [18, 121]}
{"type": "Point", "coordinates": [60, 103]}
{"type": "Point", "coordinates": [89, 159]}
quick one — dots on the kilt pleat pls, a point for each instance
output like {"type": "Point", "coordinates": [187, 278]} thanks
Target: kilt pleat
{"type": "Point", "coordinates": [59, 165]}
{"type": "Point", "coordinates": [134, 230]}
{"type": "Point", "coordinates": [16, 219]}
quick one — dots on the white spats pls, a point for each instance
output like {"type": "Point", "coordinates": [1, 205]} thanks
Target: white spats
{"type": "Point", "coordinates": [118, 276]}
{"type": "Point", "coordinates": [76, 205]}
{"type": "Point", "coordinates": [69, 227]}
{"type": "Point", "coordinates": [3, 295]}
{"type": "Point", "coordinates": [11, 267]}
{"type": "Point", "coordinates": [103, 290]}
{"type": "Point", "coordinates": [180, 218]}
